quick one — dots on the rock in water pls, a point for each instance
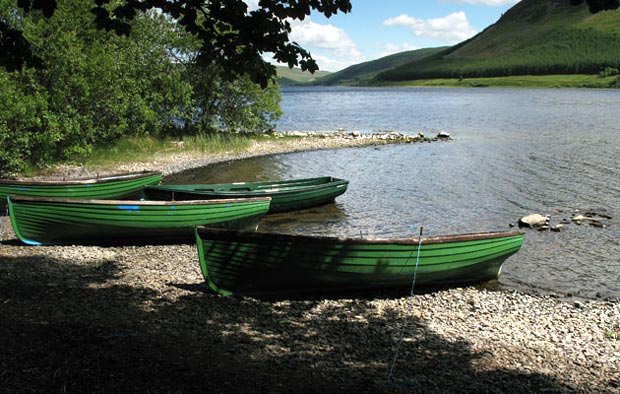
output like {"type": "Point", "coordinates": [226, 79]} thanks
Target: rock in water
{"type": "Point", "coordinates": [557, 227]}
{"type": "Point", "coordinates": [533, 220]}
{"type": "Point", "coordinates": [581, 218]}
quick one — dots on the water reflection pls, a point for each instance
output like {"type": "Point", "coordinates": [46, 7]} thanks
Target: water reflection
{"type": "Point", "coordinates": [323, 220]}
{"type": "Point", "coordinates": [254, 170]}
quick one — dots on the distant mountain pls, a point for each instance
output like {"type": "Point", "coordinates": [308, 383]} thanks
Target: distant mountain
{"type": "Point", "coordinates": [535, 37]}
{"type": "Point", "coordinates": [364, 72]}
{"type": "Point", "coordinates": [294, 76]}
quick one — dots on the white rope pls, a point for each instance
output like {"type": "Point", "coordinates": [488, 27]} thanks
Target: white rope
{"type": "Point", "coordinates": [409, 307]}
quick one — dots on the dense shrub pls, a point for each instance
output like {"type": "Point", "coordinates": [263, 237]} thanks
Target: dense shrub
{"type": "Point", "coordinates": [28, 129]}
{"type": "Point", "coordinates": [96, 87]}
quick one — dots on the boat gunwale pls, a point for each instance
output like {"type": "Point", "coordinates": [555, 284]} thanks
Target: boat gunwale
{"type": "Point", "coordinates": [19, 198]}
{"type": "Point", "coordinates": [191, 188]}
{"type": "Point", "coordinates": [81, 181]}
{"type": "Point", "coordinates": [244, 236]}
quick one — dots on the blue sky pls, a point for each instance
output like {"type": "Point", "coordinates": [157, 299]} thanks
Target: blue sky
{"type": "Point", "coordinates": [377, 28]}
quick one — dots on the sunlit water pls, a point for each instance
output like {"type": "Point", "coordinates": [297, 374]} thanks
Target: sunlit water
{"type": "Point", "coordinates": [514, 152]}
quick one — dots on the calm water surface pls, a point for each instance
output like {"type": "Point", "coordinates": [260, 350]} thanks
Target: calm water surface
{"type": "Point", "coordinates": [514, 152]}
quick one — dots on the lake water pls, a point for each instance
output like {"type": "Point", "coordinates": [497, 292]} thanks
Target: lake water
{"type": "Point", "coordinates": [514, 152]}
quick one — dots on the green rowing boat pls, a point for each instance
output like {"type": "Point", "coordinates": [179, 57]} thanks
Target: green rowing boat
{"type": "Point", "coordinates": [286, 195]}
{"type": "Point", "coordinates": [107, 187]}
{"type": "Point", "coordinates": [263, 263]}
{"type": "Point", "coordinates": [57, 221]}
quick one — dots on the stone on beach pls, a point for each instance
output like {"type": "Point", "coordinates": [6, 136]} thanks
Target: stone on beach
{"type": "Point", "coordinates": [126, 310]}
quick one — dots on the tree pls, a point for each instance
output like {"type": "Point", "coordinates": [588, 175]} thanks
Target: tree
{"type": "Point", "coordinates": [598, 5]}
{"type": "Point", "coordinates": [25, 123]}
{"type": "Point", "coordinates": [94, 87]}
{"type": "Point", "coordinates": [243, 106]}
{"type": "Point", "coordinates": [230, 36]}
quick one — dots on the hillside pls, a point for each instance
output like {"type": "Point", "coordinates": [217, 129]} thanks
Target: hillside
{"type": "Point", "coordinates": [364, 72]}
{"type": "Point", "coordinates": [535, 37]}
{"type": "Point", "coordinates": [294, 76]}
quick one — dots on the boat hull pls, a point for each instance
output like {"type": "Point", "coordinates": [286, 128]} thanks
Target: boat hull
{"type": "Point", "coordinates": [108, 187]}
{"type": "Point", "coordinates": [286, 195]}
{"type": "Point", "coordinates": [237, 262]}
{"type": "Point", "coordinates": [47, 221]}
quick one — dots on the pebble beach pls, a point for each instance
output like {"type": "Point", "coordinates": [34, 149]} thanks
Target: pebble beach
{"type": "Point", "coordinates": [140, 319]}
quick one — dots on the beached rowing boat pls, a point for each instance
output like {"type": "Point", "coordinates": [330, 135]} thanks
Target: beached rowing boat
{"type": "Point", "coordinates": [106, 187]}
{"type": "Point", "coordinates": [255, 263]}
{"type": "Point", "coordinates": [53, 221]}
{"type": "Point", "coordinates": [285, 195]}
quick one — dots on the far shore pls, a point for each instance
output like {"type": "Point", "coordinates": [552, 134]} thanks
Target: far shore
{"type": "Point", "coordinates": [567, 81]}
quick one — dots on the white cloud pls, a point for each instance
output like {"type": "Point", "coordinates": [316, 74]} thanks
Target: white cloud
{"type": "Point", "coordinates": [316, 35]}
{"type": "Point", "coordinates": [333, 64]}
{"type": "Point", "coordinates": [329, 45]}
{"type": "Point", "coordinates": [492, 3]}
{"type": "Point", "coordinates": [451, 29]}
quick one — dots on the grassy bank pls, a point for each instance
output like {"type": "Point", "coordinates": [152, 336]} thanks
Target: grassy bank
{"type": "Point", "coordinates": [150, 148]}
{"type": "Point", "coordinates": [520, 81]}
{"type": "Point", "coordinates": [170, 156]}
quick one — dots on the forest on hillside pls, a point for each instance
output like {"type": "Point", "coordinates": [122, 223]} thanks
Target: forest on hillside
{"type": "Point", "coordinates": [576, 51]}
{"type": "Point", "coordinates": [532, 38]}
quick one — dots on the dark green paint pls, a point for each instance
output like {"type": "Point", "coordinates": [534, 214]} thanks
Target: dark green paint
{"type": "Point", "coordinates": [48, 221]}
{"type": "Point", "coordinates": [249, 263]}
{"type": "Point", "coordinates": [286, 195]}
{"type": "Point", "coordinates": [101, 188]}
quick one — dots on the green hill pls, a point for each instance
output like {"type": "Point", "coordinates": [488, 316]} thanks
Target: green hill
{"type": "Point", "coordinates": [294, 76]}
{"type": "Point", "coordinates": [535, 37]}
{"type": "Point", "coordinates": [364, 72]}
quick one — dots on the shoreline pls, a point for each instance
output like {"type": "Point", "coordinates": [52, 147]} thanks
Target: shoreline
{"type": "Point", "coordinates": [75, 315]}
{"type": "Point", "coordinates": [553, 81]}
{"type": "Point", "coordinates": [279, 143]}
{"type": "Point", "coordinates": [104, 319]}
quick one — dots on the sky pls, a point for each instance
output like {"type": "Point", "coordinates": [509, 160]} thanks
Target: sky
{"type": "Point", "coordinates": [377, 28]}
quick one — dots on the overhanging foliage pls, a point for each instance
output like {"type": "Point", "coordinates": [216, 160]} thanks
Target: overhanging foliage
{"type": "Point", "coordinates": [230, 35]}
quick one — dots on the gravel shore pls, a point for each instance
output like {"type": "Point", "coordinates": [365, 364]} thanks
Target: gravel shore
{"type": "Point", "coordinates": [139, 319]}
{"type": "Point", "coordinates": [288, 142]}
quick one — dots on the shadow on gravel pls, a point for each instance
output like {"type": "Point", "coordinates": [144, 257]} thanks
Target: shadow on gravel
{"type": "Point", "coordinates": [69, 328]}
{"type": "Point", "coordinates": [11, 242]}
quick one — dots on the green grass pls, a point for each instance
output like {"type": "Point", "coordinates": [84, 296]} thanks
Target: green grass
{"type": "Point", "coordinates": [147, 148]}
{"type": "Point", "coordinates": [217, 143]}
{"type": "Point", "coordinates": [138, 149]}
{"type": "Point", "coordinates": [612, 334]}
{"type": "Point", "coordinates": [605, 21]}
{"type": "Point", "coordinates": [520, 81]}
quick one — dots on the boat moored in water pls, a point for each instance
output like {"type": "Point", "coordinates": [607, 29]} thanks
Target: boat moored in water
{"type": "Point", "coordinates": [287, 195]}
